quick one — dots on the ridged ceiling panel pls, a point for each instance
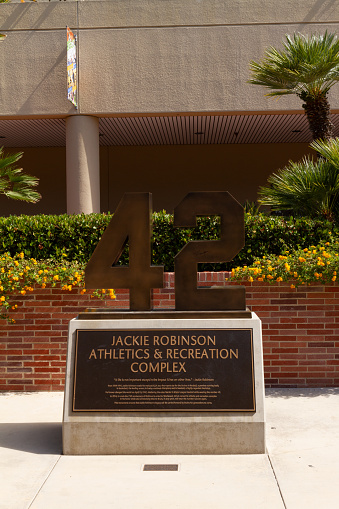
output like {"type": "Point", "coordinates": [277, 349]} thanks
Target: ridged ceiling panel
{"type": "Point", "coordinates": [209, 129]}
{"type": "Point", "coordinates": [33, 133]}
{"type": "Point", "coordinates": [170, 130]}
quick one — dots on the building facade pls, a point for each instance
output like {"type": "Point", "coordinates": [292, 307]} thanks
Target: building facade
{"type": "Point", "coordinates": [163, 100]}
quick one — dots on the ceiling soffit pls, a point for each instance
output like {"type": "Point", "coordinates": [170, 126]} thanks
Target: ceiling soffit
{"type": "Point", "coordinates": [167, 130]}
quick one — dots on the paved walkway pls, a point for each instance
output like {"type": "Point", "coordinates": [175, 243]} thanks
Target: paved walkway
{"type": "Point", "coordinates": [300, 469]}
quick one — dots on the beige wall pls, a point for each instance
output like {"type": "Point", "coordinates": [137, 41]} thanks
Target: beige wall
{"type": "Point", "coordinates": [169, 172]}
{"type": "Point", "coordinates": [148, 56]}
{"type": "Point", "coordinates": [151, 57]}
{"type": "Point", "coordinates": [48, 164]}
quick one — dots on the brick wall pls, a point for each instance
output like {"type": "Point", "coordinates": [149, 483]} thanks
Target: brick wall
{"type": "Point", "coordinates": [300, 333]}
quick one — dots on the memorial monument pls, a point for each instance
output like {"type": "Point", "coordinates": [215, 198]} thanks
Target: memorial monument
{"type": "Point", "coordinates": [183, 381]}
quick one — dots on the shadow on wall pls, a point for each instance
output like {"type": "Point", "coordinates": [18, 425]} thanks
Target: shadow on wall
{"type": "Point", "coordinates": [321, 8]}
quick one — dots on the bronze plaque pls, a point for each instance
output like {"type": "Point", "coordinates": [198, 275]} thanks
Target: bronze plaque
{"type": "Point", "coordinates": [164, 370]}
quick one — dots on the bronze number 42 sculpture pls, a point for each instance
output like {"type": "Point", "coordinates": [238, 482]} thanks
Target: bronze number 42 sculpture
{"type": "Point", "coordinates": [132, 222]}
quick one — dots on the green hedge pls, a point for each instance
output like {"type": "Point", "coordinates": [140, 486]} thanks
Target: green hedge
{"type": "Point", "coordinates": [43, 237]}
{"type": "Point", "coordinates": [74, 237]}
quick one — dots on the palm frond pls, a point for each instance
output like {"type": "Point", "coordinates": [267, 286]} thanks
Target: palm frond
{"type": "Point", "coordinates": [7, 161]}
{"type": "Point", "coordinates": [306, 187]}
{"type": "Point", "coordinates": [309, 64]}
{"type": "Point", "coordinates": [328, 149]}
{"type": "Point", "coordinates": [24, 194]}
{"type": "Point", "coordinates": [13, 182]}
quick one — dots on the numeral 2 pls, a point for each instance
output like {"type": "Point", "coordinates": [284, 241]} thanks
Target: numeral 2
{"type": "Point", "coordinates": [232, 238]}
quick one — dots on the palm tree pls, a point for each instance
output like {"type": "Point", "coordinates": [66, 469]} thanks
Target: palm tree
{"type": "Point", "coordinates": [307, 188]}
{"type": "Point", "coordinates": [307, 67]}
{"type": "Point", "coordinates": [15, 184]}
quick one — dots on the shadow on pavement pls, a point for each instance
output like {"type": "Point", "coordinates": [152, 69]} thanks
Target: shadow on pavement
{"type": "Point", "coordinates": [34, 437]}
{"type": "Point", "coordinates": [302, 392]}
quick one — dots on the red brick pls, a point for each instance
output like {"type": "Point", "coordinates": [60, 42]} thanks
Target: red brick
{"type": "Point", "coordinates": [292, 319]}
{"type": "Point", "coordinates": [36, 327]}
{"type": "Point", "coordinates": [313, 313]}
{"type": "Point", "coordinates": [289, 374]}
{"type": "Point", "coordinates": [47, 370]}
{"type": "Point", "coordinates": [313, 350]}
{"type": "Point", "coordinates": [285, 363]}
{"type": "Point", "coordinates": [9, 387]}
{"type": "Point", "coordinates": [37, 351]}
{"type": "Point", "coordinates": [288, 337]}
{"type": "Point", "coordinates": [60, 376]}
{"type": "Point", "coordinates": [310, 337]}
{"type": "Point", "coordinates": [47, 321]}
{"type": "Point", "coordinates": [284, 329]}
{"type": "Point", "coordinates": [19, 358]}
{"type": "Point", "coordinates": [318, 355]}
{"type": "Point", "coordinates": [319, 307]}
{"type": "Point", "coordinates": [36, 376]}
{"type": "Point", "coordinates": [37, 363]}
{"type": "Point", "coordinates": [284, 350]}
{"type": "Point", "coordinates": [19, 370]}
{"type": "Point", "coordinates": [323, 319]}
{"type": "Point", "coordinates": [293, 355]}
{"type": "Point", "coordinates": [321, 344]}
{"type": "Point", "coordinates": [33, 316]}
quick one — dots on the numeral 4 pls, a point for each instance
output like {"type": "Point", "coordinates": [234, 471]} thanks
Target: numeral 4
{"type": "Point", "coordinates": [132, 222]}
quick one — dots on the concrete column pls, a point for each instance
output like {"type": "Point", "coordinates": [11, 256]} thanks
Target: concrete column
{"type": "Point", "coordinates": [82, 164]}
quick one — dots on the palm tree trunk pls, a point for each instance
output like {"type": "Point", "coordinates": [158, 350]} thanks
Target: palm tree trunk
{"type": "Point", "coordinates": [318, 114]}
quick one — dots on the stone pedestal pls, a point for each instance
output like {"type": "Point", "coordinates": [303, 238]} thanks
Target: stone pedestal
{"type": "Point", "coordinates": [92, 429]}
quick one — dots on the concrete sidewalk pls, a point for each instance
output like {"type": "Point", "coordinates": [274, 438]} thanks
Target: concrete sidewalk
{"type": "Point", "coordinates": [300, 469]}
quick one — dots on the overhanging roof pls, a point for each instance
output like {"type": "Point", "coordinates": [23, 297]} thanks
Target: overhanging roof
{"type": "Point", "coordinates": [167, 130]}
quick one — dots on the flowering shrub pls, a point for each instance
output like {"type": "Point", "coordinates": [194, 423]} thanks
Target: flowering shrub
{"type": "Point", "coordinates": [19, 275]}
{"type": "Point", "coordinates": [303, 266]}
{"type": "Point", "coordinates": [76, 236]}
